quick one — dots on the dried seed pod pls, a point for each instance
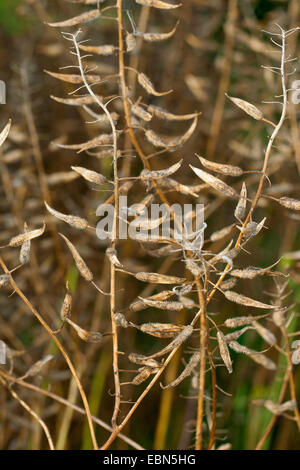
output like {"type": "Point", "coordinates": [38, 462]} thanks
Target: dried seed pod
{"type": "Point", "coordinates": [161, 330]}
{"type": "Point", "coordinates": [120, 320]}
{"type": "Point", "coordinates": [145, 372]}
{"type": "Point", "coordinates": [89, 175]}
{"type": "Point", "coordinates": [73, 78]}
{"type": "Point", "coordinates": [221, 168]}
{"type": "Point", "coordinates": [141, 112]}
{"type": "Point", "coordinates": [188, 370]}
{"type": "Point", "coordinates": [249, 108]}
{"type": "Point", "coordinates": [102, 139]}
{"type": "Point", "coordinates": [158, 4]}
{"type": "Point", "coordinates": [143, 360]}
{"type": "Point", "coordinates": [177, 341]}
{"type": "Point", "coordinates": [224, 351]}
{"type": "Point", "coordinates": [160, 141]}
{"type": "Point", "coordinates": [80, 101]}
{"type": "Point", "coordinates": [243, 300]}
{"type": "Point", "coordinates": [278, 317]}
{"type": "Point", "coordinates": [156, 174]}
{"type": "Point", "coordinates": [108, 49]}
{"type": "Point", "coordinates": [236, 334]}
{"type": "Point", "coordinates": [146, 83]}
{"type": "Point", "coordinates": [164, 305]}
{"type": "Point", "coordinates": [141, 305]}
{"type": "Point", "coordinates": [156, 278]}
{"type": "Point", "coordinates": [24, 256]}
{"type": "Point", "coordinates": [238, 321]}
{"type": "Point", "coordinates": [111, 253]}
{"type": "Point", "coordinates": [163, 114]}
{"type": "Point", "coordinates": [263, 361]}
{"type": "Point", "coordinates": [130, 42]}
{"type": "Point", "coordinates": [151, 37]}
{"type": "Point", "coordinates": [66, 306]}
{"type": "Point", "coordinates": [264, 333]}
{"type": "Point", "coordinates": [214, 182]}
{"type": "Point", "coordinates": [4, 280]}
{"type": "Point", "coordinates": [289, 203]}
{"type": "Point", "coordinates": [252, 229]}
{"type": "Point", "coordinates": [89, 337]}
{"type": "Point", "coordinates": [4, 133]}
{"type": "Point", "coordinates": [83, 18]}
{"type": "Point", "coordinates": [72, 220]}
{"type": "Point", "coordinates": [82, 267]}
{"type": "Point", "coordinates": [220, 234]}
{"type": "Point", "coordinates": [296, 353]}
{"type": "Point", "coordinates": [144, 223]}
{"type": "Point", "coordinates": [169, 183]}
{"type": "Point", "coordinates": [61, 177]}
{"type": "Point", "coordinates": [247, 273]}
{"type": "Point", "coordinates": [37, 367]}
{"type": "Point", "coordinates": [239, 348]}
{"type": "Point", "coordinates": [240, 209]}
{"type": "Point", "coordinates": [278, 409]}
{"type": "Point", "coordinates": [228, 284]}
{"type": "Point", "coordinates": [24, 237]}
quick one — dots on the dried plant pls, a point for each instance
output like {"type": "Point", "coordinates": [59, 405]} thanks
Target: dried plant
{"type": "Point", "coordinates": [152, 310]}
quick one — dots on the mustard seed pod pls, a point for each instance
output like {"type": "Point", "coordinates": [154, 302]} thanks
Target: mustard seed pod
{"type": "Point", "coordinates": [220, 167]}
{"type": "Point", "coordinates": [24, 256]}
{"type": "Point", "coordinates": [156, 174]}
{"type": "Point", "coordinates": [163, 114]}
{"type": "Point", "coordinates": [140, 112]}
{"type": "Point", "coordinates": [120, 320]}
{"type": "Point", "coordinates": [36, 368]}
{"type": "Point", "coordinates": [146, 83]}
{"type": "Point", "coordinates": [280, 408]}
{"type": "Point", "coordinates": [72, 220]}
{"type": "Point", "coordinates": [155, 278]}
{"type": "Point", "coordinates": [240, 209]}
{"type": "Point", "coordinates": [111, 253]}
{"type": "Point", "coordinates": [66, 306]}
{"type": "Point", "coordinates": [83, 18]}
{"type": "Point", "coordinates": [143, 375]}
{"type": "Point", "coordinates": [161, 330]}
{"type": "Point", "coordinates": [158, 4]}
{"type": "Point", "coordinates": [225, 355]}
{"type": "Point", "coordinates": [177, 341]}
{"type": "Point", "coordinates": [249, 108]}
{"type": "Point", "coordinates": [263, 361]}
{"type": "Point", "coordinates": [236, 334]}
{"type": "Point", "coordinates": [264, 333]}
{"type": "Point", "coordinates": [143, 360]}
{"type": "Point", "coordinates": [89, 337]}
{"type": "Point", "coordinates": [90, 175]}
{"type": "Point", "coordinates": [81, 265]}
{"type": "Point", "coordinates": [152, 37]}
{"type": "Point", "coordinates": [290, 203]}
{"type": "Point", "coordinates": [243, 300]}
{"type": "Point", "coordinates": [188, 370]}
{"type": "Point", "coordinates": [24, 237]}
{"type": "Point", "coordinates": [214, 182]}
{"type": "Point", "coordinates": [238, 321]}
